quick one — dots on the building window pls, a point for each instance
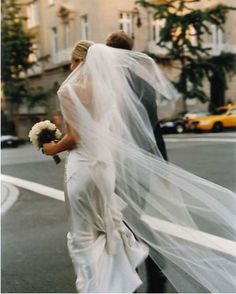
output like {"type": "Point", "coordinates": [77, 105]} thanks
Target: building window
{"type": "Point", "coordinates": [67, 35]}
{"type": "Point", "coordinates": [157, 25]}
{"type": "Point", "coordinates": [154, 32]}
{"type": "Point", "coordinates": [218, 35]}
{"type": "Point", "coordinates": [218, 39]}
{"type": "Point", "coordinates": [51, 2]}
{"type": "Point", "coordinates": [33, 14]}
{"type": "Point", "coordinates": [125, 22]}
{"type": "Point", "coordinates": [33, 57]}
{"type": "Point", "coordinates": [55, 45]}
{"type": "Point", "coordinates": [85, 29]}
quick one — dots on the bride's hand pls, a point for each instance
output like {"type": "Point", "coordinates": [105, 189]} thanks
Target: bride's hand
{"type": "Point", "coordinates": [50, 148]}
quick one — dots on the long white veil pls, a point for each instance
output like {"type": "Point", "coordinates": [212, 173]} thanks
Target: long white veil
{"type": "Point", "coordinates": [188, 223]}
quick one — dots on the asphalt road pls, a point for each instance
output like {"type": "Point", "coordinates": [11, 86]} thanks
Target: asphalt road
{"type": "Point", "coordinates": [34, 251]}
{"type": "Point", "coordinates": [212, 160]}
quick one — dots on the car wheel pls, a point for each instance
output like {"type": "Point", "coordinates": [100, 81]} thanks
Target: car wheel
{"type": "Point", "coordinates": [217, 127]}
{"type": "Point", "coordinates": [15, 145]}
{"type": "Point", "coordinates": [179, 128]}
{"type": "Point", "coordinates": [12, 144]}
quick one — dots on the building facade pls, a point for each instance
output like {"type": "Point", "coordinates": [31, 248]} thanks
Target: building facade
{"type": "Point", "coordinates": [59, 24]}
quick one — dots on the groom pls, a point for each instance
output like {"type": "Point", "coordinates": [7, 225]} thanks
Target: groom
{"type": "Point", "coordinates": [147, 95]}
{"type": "Point", "coordinates": [142, 89]}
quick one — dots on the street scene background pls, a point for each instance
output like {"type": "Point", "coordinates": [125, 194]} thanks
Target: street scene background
{"type": "Point", "coordinates": [198, 128]}
{"type": "Point", "coordinates": [34, 251]}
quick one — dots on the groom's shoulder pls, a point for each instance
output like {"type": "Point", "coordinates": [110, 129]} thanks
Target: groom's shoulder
{"type": "Point", "coordinates": [142, 85]}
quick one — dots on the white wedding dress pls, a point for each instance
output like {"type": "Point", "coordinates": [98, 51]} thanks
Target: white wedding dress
{"type": "Point", "coordinates": [98, 269]}
{"type": "Point", "coordinates": [116, 174]}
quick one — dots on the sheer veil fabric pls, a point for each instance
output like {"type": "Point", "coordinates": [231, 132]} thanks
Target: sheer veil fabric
{"type": "Point", "coordinates": [188, 223]}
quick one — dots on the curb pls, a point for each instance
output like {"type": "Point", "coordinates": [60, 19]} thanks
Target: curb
{"type": "Point", "coordinates": [9, 195]}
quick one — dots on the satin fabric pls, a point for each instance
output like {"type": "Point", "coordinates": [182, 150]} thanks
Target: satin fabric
{"type": "Point", "coordinates": [98, 269]}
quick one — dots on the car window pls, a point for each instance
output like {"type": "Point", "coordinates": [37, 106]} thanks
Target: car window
{"type": "Point", "coordinates": [220, 111]}
{"type": "Point", "coordinates": [233, 111]}
{"type": "Point", "coordinates": [199, 111]}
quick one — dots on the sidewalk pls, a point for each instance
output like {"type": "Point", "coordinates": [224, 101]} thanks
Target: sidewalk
{"type": "Point", "coordinates": [9, 195]}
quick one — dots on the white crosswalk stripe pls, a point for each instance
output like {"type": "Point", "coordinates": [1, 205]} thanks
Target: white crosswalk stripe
{"type": "Point", "coordinates": [214, 242]}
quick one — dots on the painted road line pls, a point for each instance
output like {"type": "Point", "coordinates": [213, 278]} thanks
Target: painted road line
{"type": "Point", "coordinates": [224, 140]}
{"type": "Point", "coordinates": [201, 135]}
{"type": "Point", "coordinates": [34, 187]}
{"type": "Point", "coordinates": [198, 237]}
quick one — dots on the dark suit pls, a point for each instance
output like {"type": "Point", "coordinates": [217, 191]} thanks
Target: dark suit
{"type": "Point", "coordinates": [147, 95]}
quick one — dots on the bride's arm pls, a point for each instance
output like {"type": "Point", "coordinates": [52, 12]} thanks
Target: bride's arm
{"type": "Point", "coordinates": [66, 143]}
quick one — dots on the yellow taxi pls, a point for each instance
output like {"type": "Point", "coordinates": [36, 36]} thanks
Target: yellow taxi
{"type": "Point", "coordinates": [223, 117]}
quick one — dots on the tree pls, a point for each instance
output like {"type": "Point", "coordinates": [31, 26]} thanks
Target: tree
{"type": "Point", "coordinates": [183, 38]}
{"type": "Point", "coordinates": [222, 64]}
{"type": "Point", "coordinates": [17, 46]}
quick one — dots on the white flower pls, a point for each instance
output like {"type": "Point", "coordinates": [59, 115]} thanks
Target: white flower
{"type": "Point", "coordinates": [51, 127]}
{"type": "Point", "coordinates": [58, 134]}
{"type": "Point", "coordinates": [39, 127]}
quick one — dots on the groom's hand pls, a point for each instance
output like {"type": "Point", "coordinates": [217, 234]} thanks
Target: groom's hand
{"type": "Point", "coordinates": [50, 148]}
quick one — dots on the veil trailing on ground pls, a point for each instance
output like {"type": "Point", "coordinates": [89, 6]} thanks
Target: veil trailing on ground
{"type": "Point", "coordinates": [188, 223]}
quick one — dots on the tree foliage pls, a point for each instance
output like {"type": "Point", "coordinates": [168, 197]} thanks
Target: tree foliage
{"type": "Point", "coordinates": [183, 38]}
{"type": "Point", "coordinates": [17, 46]}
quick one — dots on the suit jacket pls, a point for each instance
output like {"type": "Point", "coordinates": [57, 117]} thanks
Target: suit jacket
{"type": "Point", "coordinates": [147, 96]}
{"type": "Point", "coordinates": [155, 278]}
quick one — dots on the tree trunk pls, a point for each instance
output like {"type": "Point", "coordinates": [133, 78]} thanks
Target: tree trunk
{"type": "Point", "coordinates": [183, 80]}
{"type": "Point", "coordinates": [16, 117]}
{"type": "Point", "coordinates": [217, 92]}
{"type": "Point", "coordinates": [185, 107]}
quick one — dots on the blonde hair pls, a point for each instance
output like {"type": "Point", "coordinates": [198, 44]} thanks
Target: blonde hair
{"type": "Point", "coordinates": [80, 50]}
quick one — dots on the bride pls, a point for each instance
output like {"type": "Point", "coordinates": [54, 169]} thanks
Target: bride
{"type": "Point", "coordinates": [116, 176]}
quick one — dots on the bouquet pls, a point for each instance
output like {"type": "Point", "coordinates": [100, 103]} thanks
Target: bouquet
{"type": "Point", "coordinates": [45, 132]}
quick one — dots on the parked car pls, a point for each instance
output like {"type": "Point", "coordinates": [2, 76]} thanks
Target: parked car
{"type": "Point", "coordinates": [223, 117]}
{"type": "Point", "coordinates": [9, 141]}
{"type": "Point", "coordinates": [194, 114]}
{"type": "Point", "coordinates": [172, 126]}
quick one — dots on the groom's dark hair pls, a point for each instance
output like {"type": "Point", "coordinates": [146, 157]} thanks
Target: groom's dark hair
{"type": "Point", "coordinates": [120, 40]}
